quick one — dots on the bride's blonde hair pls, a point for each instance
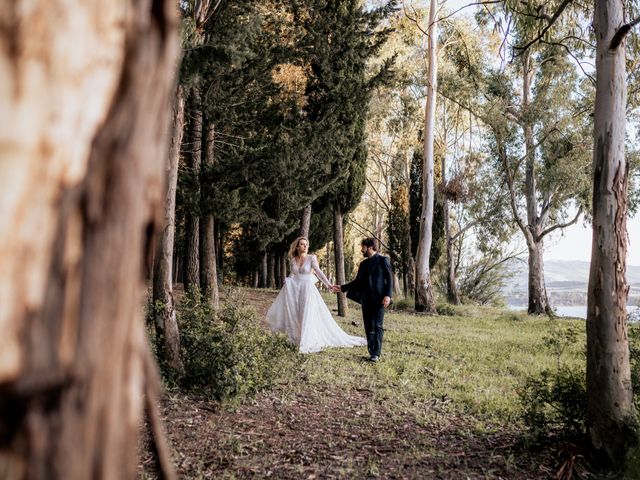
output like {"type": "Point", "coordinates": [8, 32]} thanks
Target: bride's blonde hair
{"type": "Point", "coordinates": [293, 249]}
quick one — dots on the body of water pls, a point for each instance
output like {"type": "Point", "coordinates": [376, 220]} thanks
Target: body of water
{"type": "Point", "coordinates": [577, 311]}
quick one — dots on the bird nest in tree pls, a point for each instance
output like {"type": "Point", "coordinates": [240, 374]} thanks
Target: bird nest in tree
{"type": "Point", "coordinates": [456, 189]}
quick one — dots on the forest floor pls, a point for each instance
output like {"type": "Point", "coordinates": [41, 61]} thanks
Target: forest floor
{"type": "Point", "coordinates": [441, 404]}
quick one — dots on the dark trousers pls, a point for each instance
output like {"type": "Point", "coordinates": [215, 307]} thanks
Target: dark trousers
{"type": "Point", "coordinates": [373, 316]}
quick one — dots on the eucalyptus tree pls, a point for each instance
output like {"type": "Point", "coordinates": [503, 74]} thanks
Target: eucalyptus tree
{"type": "Point", "coordinates": [424, 300]}
{"type": "Point", "coordinates": [612, 419]}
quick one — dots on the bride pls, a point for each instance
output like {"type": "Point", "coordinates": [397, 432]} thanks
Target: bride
{"type": "Point", "coordinates": [299, 310]}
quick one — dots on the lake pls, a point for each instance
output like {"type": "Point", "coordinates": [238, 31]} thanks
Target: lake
{"type": "Point", "coordinates": [578, 311]}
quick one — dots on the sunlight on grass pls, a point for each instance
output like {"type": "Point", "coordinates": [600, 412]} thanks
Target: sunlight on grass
{"type": "Point", "coordinates": [471, 361]}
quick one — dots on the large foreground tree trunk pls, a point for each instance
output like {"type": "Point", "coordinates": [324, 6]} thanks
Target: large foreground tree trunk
{"type": "Point", "coordinates": [80, 197]}
{"type": "Point", "coordinates": [610, 411]}
{"type": "Point", "coordinates": [164, 306]}
{"type": "Point", "coordinates": [424, 301]}
{"type": "Point", "coordinates": [338, 245]}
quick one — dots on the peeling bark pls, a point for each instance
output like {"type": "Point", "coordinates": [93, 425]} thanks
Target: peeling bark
{"type": "Point", "coordinates": [83, 138]}
{"type": "Point", "coordinates": [611, 414]}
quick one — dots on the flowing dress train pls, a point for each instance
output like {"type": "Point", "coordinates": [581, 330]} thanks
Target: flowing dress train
{"type": "Point", "coordinates": [300, 312]}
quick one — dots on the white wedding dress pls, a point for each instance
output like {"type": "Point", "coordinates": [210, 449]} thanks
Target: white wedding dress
{"type": "Point", "coordinates": [300, 312]}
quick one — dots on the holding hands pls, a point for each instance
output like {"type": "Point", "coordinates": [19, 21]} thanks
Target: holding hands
{"type": "Point", "coordinates": [335, 288]}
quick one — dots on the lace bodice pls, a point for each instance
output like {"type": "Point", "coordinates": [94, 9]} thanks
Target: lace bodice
{"type": "Point", "coordinates": [310, 265]}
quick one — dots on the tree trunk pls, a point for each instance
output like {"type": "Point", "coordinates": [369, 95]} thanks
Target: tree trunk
{"type": "Point", "coordinates": [264, 271]}
{"type": "Point", "coordinates": [219, 235]}
{"type": "Point", "coordinates": [305, 222]}
{"type": "Point", "coordinates": [271, 270]}
{"type": "Point", "coordinates": [256, 279]}
{"type": "Point", "coordinates": [164, 306]}
{"type": "Point", "coordinates": [277, 272]}
{"type": "Point", "coordinates": [208, 274]}
{"type": "Point", "coordinates": [610, 411]}
{"type": "Point", "coordinates": [424, 301]}
{"type": "Point", "coordinates": [283, 267]}
{"type": "Point", "coordinates": [452, 288]}
{"type": "Point", "coordinates": [81, 197]}
{"type": "Point", "coordinates": [338, 245]}
{"type": "Point", "coordinates": [538, 302]}
{"type": "Point", "coordinates": [192, 222]}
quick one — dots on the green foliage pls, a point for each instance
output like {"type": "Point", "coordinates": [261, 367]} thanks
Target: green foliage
{"type": "Point", "coordinates": [633, 332]}
{"type": "Point", "coordinates": [226, 352]}
{"type": "Point", "coordinates": [555, 400]}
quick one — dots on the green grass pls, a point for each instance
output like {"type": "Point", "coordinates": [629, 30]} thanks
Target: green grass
{"type": "Point", "coordinates": [471, 361]}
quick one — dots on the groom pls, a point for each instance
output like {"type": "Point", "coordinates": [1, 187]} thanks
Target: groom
{"type": "Point", "coordinates": [372, 290]}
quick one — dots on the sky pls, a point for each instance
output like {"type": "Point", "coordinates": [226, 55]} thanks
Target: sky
{"type": "Point", "coordinates": [575, 243]}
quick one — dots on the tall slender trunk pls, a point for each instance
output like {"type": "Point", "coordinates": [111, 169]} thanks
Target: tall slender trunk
{"type": "Point", "coordinates": [610, 410]}
{"type": "Point", "coordinates": [538, 302]}
{"type": "Point", "coordinates": [164, 306]}
{"type": "Point", "coordinates": [277, 273]}
{"type": "Point", "coordinates": [338, 245]}
{"type": "Point", "coordinates": [208, 273]}
{"type": "Point", "coordinates": [81, 198]}
{"type": "Point", "coordinates": [271, 270]}
{"type": "Point", "coordinates": [192, 222]}
{"type": "Point", "coordinates": [283, 266]}
{"type": "Point", "coordinates": [305, 222]}
{"type": "Point", "coordinates": [452, 288]}
{"type": "Point", "coordinates": [264, 271]}
{"type": "Point", "coordinates": [219, 236]}
{"type": "Point", "coordinates": [424, 301]}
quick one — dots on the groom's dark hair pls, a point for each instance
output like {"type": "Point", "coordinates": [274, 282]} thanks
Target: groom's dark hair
{"type": "Point", "coordinates": [370, 242]}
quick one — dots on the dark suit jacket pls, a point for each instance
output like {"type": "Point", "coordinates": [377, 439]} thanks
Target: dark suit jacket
{"type": "Point", "coordinates": [373, 281]}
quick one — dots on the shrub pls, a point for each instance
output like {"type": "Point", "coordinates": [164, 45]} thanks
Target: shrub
{"type": "Point", "coordinates": [556, 398]}
{"type": "Point", "coordinates": [226, 352]}
{"type": "Point", "coordinates": [403, 304]}
{"type": "Point", "coordinates": [634, 360]}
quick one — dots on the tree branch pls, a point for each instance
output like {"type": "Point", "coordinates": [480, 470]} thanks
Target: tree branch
{"type": "Point", "coordinates": [490, 2]}
{"type": "Point", "coordinates": [552, 20]}
{"type": "Point", "coordinates": [159, 444]}
{"type": "Point", "coordinates": [368, 232]}
{"type": "Point", "coordinates": [622, 32]}
{"type": "Point", "coordinates": [560, 225]}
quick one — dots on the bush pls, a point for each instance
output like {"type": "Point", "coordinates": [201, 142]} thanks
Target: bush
{"type": "Point", "coordinates": [556, 399]}
{"type": "Point", "coordinates": [403, 304]}
{"type": "Point", "coordinates": [227, 353]}
{"type": "Point", "coordinates": [634, 359]}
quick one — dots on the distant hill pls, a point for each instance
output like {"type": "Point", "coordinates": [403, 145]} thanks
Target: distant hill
{"type": "Point", "coordinates": [566, 282]}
